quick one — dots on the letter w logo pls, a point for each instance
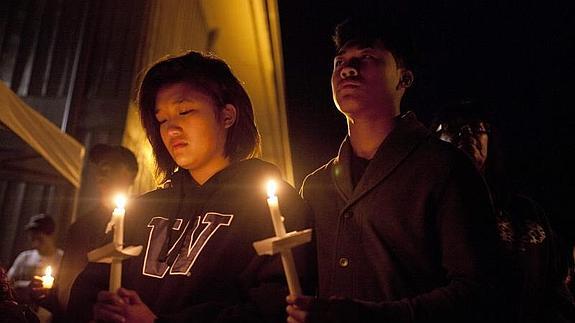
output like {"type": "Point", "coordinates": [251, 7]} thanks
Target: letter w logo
{"type": "Point", "coordinates": [192, 246]}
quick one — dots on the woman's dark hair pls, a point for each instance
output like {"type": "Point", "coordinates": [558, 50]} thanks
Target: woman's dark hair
{"type": "Point", "coordinates": [213, 77]}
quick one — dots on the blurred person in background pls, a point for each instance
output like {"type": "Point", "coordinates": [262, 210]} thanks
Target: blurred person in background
{"type": "Point", "coordinates": [33, 263]}
{"type": "Point", "coordinates": [115, 169]}
{"type": "Point", "coordinates": [534, 270]}
{"type": "Point", "coordinates": [10, 310]}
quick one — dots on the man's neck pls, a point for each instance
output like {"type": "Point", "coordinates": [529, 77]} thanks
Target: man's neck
{"type": "Point", "coordinates": [367, 134]}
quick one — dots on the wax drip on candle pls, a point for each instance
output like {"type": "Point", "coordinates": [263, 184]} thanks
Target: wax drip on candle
{"type": "Point", "coordinates": [118, 219]}
{"type": "Point", "coordinates": [275, 213]}
{"type": "Point", "coordinates": [120, 202]}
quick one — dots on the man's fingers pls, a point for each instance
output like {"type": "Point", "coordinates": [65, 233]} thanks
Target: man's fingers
{"type": "Point", "coordinates": [295, 314]}
{"type": "Point", "coordinates": [297, 308]}
{"type": "Point", "coordinates": [302, 302]}
{"type": "Point", "coordinates": [308, 309]}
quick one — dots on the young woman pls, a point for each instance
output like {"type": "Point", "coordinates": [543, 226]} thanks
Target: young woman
{"type": "Point", "coordinates": [198, 263]}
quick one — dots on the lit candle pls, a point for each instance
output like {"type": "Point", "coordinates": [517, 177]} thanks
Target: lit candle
{"type": "Point", "coordinates": [47, 279]}
{"type": "Point", "coordinates": [275, 212]}
{"type": "Point", "coordinates": [118, 220]}
{"type": "Point", "coordinates": [280, 230]}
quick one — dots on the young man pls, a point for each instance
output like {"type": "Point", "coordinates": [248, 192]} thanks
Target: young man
{"type": "Point", "coordinates": [115, 168]}
{"type": "Point", "coordinates": [198, 262]}
{"type": "Point", "coordinates": [403, 221]}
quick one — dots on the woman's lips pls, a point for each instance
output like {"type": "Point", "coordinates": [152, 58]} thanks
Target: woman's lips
{"type": "Point", "coordinates": [178, 144]}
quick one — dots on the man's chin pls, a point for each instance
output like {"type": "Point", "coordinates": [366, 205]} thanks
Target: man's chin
{"type": "Point", "coordinates": [349, 104]}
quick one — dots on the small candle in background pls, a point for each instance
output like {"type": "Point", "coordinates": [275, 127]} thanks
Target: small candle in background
{"type": "Point", "coordinates": [118, 219]}
{"type": "Point", "coordinates": [47, 279]}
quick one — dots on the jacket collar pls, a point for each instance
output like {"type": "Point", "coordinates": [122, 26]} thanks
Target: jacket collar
{"type": "Point", "coordinates": [396, 147]}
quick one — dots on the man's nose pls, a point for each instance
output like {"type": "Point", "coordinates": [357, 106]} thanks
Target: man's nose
{"type": "Point", "coordinates": [348, 71]}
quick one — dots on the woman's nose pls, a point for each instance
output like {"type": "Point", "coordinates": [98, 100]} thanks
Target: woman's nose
{"type": "Point", "coordinates": [174, 129]}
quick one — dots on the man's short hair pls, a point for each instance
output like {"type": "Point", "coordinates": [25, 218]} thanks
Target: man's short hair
{"type": "Point", "coordinates": [463, 111]}
{"type": "Point", "coordinates": [111, 156]}
{"type": "Point", "coordinates": [211, 76]}
{"type": "Point", "coordinates": [41, 223]}
{"type": "Point", "coordinates": [365, 30]}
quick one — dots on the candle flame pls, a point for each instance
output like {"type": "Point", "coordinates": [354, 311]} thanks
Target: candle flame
{"type": "Point", "coordinates": [120, 201]}
{"type": "Point", "coordinates": [47, 279]}
{"type": "Point", "coordinates": [271, 188]}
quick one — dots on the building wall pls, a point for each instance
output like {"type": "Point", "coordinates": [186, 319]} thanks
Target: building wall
{"type": "Point", "coordinates": [72, 61]}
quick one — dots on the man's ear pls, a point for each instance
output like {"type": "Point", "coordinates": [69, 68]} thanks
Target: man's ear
{"type": "Point", "coordinates": [406, 79]}
{"type": "Point", "coordinates": [229, 114]}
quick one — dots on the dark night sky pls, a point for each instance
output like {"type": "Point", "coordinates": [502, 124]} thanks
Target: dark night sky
{"type": "Point", "coordinates": [516, 56]}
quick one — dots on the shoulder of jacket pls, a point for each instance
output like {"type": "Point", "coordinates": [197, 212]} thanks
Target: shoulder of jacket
{"type": "Point", "coordinates": [442, 151]}
{"type": "Point", "coordinates": [160, 191]}
{"type": "Point", "coordinates": [258, 166]}
{"type": "Point", "coordinates": [152, 199]}
{"type": "Point", "coordinates": [320, 173]}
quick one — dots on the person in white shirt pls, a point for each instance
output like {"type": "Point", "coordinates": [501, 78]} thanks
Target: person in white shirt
{"type": "Point", "coordinates": [33, 262]}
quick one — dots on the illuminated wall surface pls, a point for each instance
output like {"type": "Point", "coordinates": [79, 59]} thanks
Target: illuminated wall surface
{"type": "Point", "coordinates": [61, 59]}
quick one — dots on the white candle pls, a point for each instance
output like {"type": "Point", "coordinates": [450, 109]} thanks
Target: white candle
{"type": "Point", "coordinates": [118, 220]}
{"type": "Point", "coordinates": [280, 230]}
{"type": "Point", "coordinates": [115, 281]}
{"type": "Point", "coordinates": [275, 212]}
{"type": "Point", "coordinates": [47, 279]}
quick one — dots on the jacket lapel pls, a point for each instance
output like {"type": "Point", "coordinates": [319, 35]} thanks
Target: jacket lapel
{"type": "Point", "coordinates": [341, 171]}
{"type": "Point", "coordinates": [400, 142]}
